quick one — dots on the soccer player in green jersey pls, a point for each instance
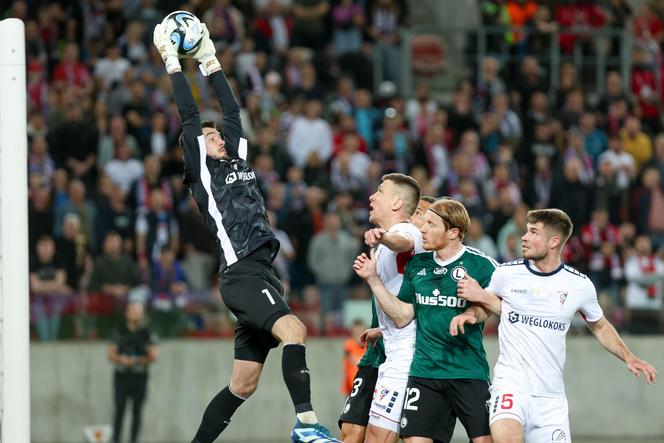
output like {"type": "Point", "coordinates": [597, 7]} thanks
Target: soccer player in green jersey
{"type": "Point", "coordinates": [449, 378]}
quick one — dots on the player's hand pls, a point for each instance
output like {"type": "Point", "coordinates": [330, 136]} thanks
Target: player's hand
{"type": "Point", "coordinates": [373, 237]}
{"type": "Point", "coordinates": [456, 324]}
{"type": "Point", "coordinates": [206, 54]}
{"type": "Point", "coordinates": [370, 337]}
{"type": "Point", "coordinates": [636, 366]}
{"type": "Point", "coordinates": [205, 50]}
{"type": "Point", "coordinates": [469, 289]}
{"type": "Point", "coordinates": [167, 51]}
{"type": "Point", "coordinates": [364, 266]}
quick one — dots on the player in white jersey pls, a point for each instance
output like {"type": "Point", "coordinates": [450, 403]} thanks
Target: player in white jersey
{"type": "Point", "coordinates": [395, 240]}
{"type": "Point", "coordinates": [536, 298]}
{"type": "Point", "coordinates": [355, 417]}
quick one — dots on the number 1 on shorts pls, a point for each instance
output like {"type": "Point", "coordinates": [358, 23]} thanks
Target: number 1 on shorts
{"type": "Point", "coordinates": [269, 296]}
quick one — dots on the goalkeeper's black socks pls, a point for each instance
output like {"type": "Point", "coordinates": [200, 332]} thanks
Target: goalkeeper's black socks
{"type": "Point", "coordinates": [296, 377]}
{"type": "Point", "coordinates": [217, 416]}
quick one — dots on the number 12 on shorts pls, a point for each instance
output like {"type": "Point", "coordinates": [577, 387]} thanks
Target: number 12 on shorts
{"type": "Point", "coordinates": [268, 295]}
{"type": "Point", "coordinates": [505, 401]}
{"type": "Point", "coordinates": [412, 395]}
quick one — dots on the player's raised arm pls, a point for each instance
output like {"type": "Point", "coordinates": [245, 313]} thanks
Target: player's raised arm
{"type": "Point", "coordinates": [184, 100]}
{"type": "Point", "coordinates": [231, 124]}
{"type": "Point", "coordinates": [400, 312]}
{"type": "Point", "coordinates": [395, 241]}
{"type": "Point", "coordinates": [206, 55]}
{"type": "Point", "coordinates": [607, 335]}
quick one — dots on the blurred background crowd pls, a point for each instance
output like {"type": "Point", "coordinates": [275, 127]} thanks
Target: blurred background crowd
{"type": "Point", "coordinates": [540, 104]}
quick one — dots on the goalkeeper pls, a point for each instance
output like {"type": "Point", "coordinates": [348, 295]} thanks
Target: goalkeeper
{"type": "Point", "coordinates": [224, 186]}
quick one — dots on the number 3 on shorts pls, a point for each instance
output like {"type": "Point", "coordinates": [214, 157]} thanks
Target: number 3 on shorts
{"type": "Point", "coordinates": [268, 295]}
{"type": "Point", "coordinates": [356, 386]}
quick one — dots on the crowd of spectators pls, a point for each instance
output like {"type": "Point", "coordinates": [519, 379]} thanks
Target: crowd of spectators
{"type": "Point", "coordinates": [111, 221]}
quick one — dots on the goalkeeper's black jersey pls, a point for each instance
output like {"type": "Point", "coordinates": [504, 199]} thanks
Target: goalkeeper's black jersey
{"type": "Point", "coordinates": [226, 190]}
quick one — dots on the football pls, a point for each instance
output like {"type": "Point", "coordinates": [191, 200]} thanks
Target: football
{"type": "Point", "coordinates": [185, 31]}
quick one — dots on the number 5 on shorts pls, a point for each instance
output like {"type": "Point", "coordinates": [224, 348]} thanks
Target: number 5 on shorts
{"type": "Point", "coordinates": [269, 296]}
{"type": "Point", "coordinates": [506, 401]}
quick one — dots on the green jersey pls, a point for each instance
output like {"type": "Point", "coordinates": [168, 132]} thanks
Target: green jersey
{"type": "Point", "coordinates": [430, 285]}
{"type": "Point", "coordinates": [374, 355]}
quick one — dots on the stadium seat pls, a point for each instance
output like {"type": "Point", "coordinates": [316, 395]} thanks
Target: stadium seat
{"type": "Point", "coordinates": [426, 54]}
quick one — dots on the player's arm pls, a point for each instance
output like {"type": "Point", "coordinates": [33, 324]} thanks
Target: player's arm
{"type": "Point", "coordinates": [476, 313]}
{"type": "Point", "coordinates": [206, 55]}
{"type": "Point", "coordinates": [400, 312]}
{"type": "Point", "coordinates": [236, 146]}
{"type": "Point", "coordinates": [395, 241]}
{"type": "Point", "coordinates": [370, 337]}
{"type": "Point", "coordinates": [471, 290]}
{"type": "Point", "coordinates": [609, 338]}
{"type": "Point", "coordinates": [184, 100]}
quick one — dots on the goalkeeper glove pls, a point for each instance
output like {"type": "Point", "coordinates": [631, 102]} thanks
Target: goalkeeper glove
{"type": "Point", "coordinates": [206, 54]}
{"type": "Point", "coordinates": [166, 49]}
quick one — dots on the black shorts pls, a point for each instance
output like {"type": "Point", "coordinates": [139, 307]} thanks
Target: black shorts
{"type": "Point", "coordinates": [253, 292]}
{"type": "Point", "coordinates": [358, 403]}
{"type": "Point", "coordinates": [432, 406]}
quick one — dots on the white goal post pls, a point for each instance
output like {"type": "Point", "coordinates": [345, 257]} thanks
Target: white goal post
{"type": "Point", "coordinates": [14, 300]}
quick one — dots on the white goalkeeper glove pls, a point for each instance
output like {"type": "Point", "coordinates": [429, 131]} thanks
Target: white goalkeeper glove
{"type": "Point", "coordinates": [168, 52]}
{"type": "Point", "coordinates": [206, 54]}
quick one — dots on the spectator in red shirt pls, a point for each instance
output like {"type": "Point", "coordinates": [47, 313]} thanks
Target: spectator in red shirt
{"type": "Point", "coordinates": [644, 88]}
{"type": "Point", "coordinates": [70, 71]}
{"type": "Point", "coordinates": [577, 21]}
{"type": "Point", "coordinates": [647, 26]}
{"type": "Point", "coordinates": [37, 87]}
{"type": "Point", "coordinates": [593, 236]}
{"type": "Point", "coordinates": [605, 267]}
{"type": "Point", "coordinates": [272, 29]}
{"type": "Point", "coordinates": [346, 126]}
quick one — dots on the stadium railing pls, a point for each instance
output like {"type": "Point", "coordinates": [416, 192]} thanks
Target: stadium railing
{"type": "Point", "coordinates": [464, 48]}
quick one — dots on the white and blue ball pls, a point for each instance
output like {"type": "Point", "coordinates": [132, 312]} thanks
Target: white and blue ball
{"type": "Point", "coordinates": [185, 31]}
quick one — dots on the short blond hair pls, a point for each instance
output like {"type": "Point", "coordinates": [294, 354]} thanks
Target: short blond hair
{"type": "Point", "coordinates": [453, 213]}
